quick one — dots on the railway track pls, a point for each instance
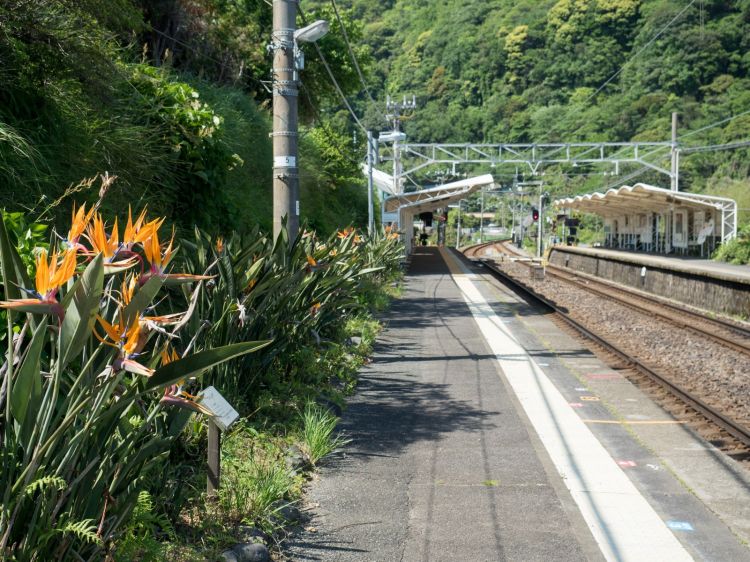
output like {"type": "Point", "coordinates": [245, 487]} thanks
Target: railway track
{"type": "Point", "coordinates": [691, 320]}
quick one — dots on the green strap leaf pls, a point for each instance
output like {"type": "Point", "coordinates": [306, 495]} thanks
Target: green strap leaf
{"type": "Point", "coordinates": [26, 392]}
{"type": "Point", "coordinates": [7, 263]}
{"type": "Point", "coordinates": [81, 313]}
{"type": "Point", "coordinates": [195, 364]}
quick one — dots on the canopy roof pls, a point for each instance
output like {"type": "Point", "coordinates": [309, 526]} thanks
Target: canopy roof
{"type": "Point", "coordinates": [427, 200]}
{"type": "Point", "coordinates": [640, 198]}
{"type": "Point", "coordinates": [382, 180]}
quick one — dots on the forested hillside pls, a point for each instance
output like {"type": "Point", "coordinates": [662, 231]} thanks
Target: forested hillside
{"type": "Point", "coordinates": [168, 95]}
{"type": "Point", "coordinates": [538, 71]}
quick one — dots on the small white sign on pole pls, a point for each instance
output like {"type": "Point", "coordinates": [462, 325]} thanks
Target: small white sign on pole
{"type": "Point", "coordinates": [223, 415]}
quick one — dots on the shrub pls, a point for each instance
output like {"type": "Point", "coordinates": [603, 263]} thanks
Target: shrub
{"type": "Point", "coordinates": [735, 251]}
{"type": "Point", "coordinates": [92, 390]}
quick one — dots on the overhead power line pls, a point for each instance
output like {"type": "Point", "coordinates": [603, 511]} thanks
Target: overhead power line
{"type": "Point", "coordinates": [338, 88]}
{"type": "Point", "coordinates": [633, 57]}
{"type": "Point", "coordinates": [716, 147]}
{"type": "Point", "coordinates": [332, 77]}
{"type": "Point", "coordinates": [646, 46]}
{"type": "Point", "coordinates": [204, 55]}
{"type": "Point", "coordinates": [621, 181]}
{"type": "Point", "coordinates": [351, 51]}
{"type": "Point", "coordinates": [716, 124]}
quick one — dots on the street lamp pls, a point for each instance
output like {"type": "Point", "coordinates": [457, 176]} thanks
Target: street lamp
{"type": "Point", "coordinates": [288, 60]}
{"type": "Point", "coordinates": [311, 33]}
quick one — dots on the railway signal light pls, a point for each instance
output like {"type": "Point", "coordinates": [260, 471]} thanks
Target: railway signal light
{"type": "Point", "coordinates": [535, 214]}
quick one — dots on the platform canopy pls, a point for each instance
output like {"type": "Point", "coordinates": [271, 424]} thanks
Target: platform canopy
{"type": "Point", "coordinates": [642, 198]}
{"type": "Point", "coordinates": [427, 200]}
{"type": "Point", "coordinates": [382, 180]}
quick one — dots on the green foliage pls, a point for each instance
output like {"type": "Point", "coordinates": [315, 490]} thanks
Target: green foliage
{"type": "Point", "coordinates": [529, 70]}
{"type": "Point", "coordinates": [736, 251]}
{"type": "Point", "coordinates": [318, 425]}
{"type": "Point", "coordinates": [79, 95]}
{"type": "Point", "coordinates": [192, 130]}
{"type": "Point", "coordinates": [253, 484]}
{"type": "Point", "coordinates": [299, 299]}
{"type": "Point", "coordinates": [26, 237]}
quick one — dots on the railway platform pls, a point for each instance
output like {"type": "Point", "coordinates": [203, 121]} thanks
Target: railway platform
{"type": "Point", "coordinates": [717, 287]}
{"type": "Point", "coordinates": [683, 264]}
{"type": "Point", "coordinates": [482, 431]}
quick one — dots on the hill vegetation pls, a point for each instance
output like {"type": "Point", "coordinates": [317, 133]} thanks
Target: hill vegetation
{"type": "Point", "coordinates": [539, 71]}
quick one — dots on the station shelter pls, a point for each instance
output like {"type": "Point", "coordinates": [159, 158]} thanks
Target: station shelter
{"type": "Point", "coordinates": [405, 206]}
{"type": "Point", "coordinates": [652, 219]}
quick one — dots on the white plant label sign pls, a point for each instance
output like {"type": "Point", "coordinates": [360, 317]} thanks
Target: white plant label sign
{"type": "Point", "coordinates": [222, 412]}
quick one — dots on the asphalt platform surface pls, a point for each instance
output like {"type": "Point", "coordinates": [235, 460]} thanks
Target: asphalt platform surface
{"type": "Point", "coordinates": [443, 465]}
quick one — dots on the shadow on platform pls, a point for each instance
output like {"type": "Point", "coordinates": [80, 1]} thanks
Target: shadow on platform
{"type": "Point", "coordinates": [394, 412]}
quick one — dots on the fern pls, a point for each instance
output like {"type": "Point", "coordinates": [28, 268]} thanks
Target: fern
{"type": "Point", "coordinates": [144, 522]}
{"type": "Point", "coordinates": [84, 530]}
{"type": "Point", "coordinates": [45, 482]}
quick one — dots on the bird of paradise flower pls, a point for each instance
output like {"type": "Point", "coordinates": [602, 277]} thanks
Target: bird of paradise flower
{"type": "Point", "coordinates": [159, 259]}
{"type": "Point", "coordinates": [128, 339]}
{"type": "Point", "coordinates": [50, 276]}
{"type": "Point", "coordinates": [175, 395]}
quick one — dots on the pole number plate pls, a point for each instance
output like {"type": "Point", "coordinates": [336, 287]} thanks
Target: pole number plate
{"type": "Point", "coordinates": [284, 161]}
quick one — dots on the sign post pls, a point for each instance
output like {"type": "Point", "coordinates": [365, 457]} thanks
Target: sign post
{"type": "Point", "coordinates": [214, 459]}
{"type": "Point", "coordinates": [222, 417]}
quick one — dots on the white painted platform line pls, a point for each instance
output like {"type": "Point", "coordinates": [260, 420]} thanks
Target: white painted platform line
{"type": "Point", "coordinates": [623, 523]}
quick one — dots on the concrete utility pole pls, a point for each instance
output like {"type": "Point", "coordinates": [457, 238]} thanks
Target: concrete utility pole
{"type": "Point", "coordinates": [481, 220]}
{"type": "Point", "coordinates": [370, 209]}
{"type": "Point", "coordinates": [674, 174]}
{"type": "Point", "coordinates": [285, 171]}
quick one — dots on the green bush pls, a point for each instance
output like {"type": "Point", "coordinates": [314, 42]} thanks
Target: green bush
{"type": "Point", "coordinates": [735, 251]}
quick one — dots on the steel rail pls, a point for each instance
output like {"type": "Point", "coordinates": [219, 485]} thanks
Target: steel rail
{"type": "Point", "coordinates": [738, 431]}
{"type": "Point", "coordinates": [671, 317]}
{"type": "Point", "coordinates": [584, 281]}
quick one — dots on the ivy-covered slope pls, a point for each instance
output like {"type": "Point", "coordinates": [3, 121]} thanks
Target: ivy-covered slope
{"type": "Point", "coordinates": [168, 95]}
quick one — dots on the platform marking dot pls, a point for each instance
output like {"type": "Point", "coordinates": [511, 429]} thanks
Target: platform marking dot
{"type": "Point", "coordinates": [680, 526]}
{"type": "Point", "coordinates": [590, 398]}
{"type": "Point", "coordinates": [627, 464]}
{"type": "Point", "coordinates": [576, 405]}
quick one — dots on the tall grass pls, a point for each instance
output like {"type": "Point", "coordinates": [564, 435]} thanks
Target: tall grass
{"type": "Point", "coordinates": [318, 426]}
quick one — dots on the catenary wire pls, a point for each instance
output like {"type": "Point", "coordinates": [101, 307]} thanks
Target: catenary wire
{"type": "Point", "coordinates": [351, 51]}
{"type": "Point", "coordinates": [716, 147]}
{"type": "Point", "coordinates": [716, 124]}
{"type": "Point", "coordinates": [641, 50]}
{"type": "Point", "coordinates": [331, 76]}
